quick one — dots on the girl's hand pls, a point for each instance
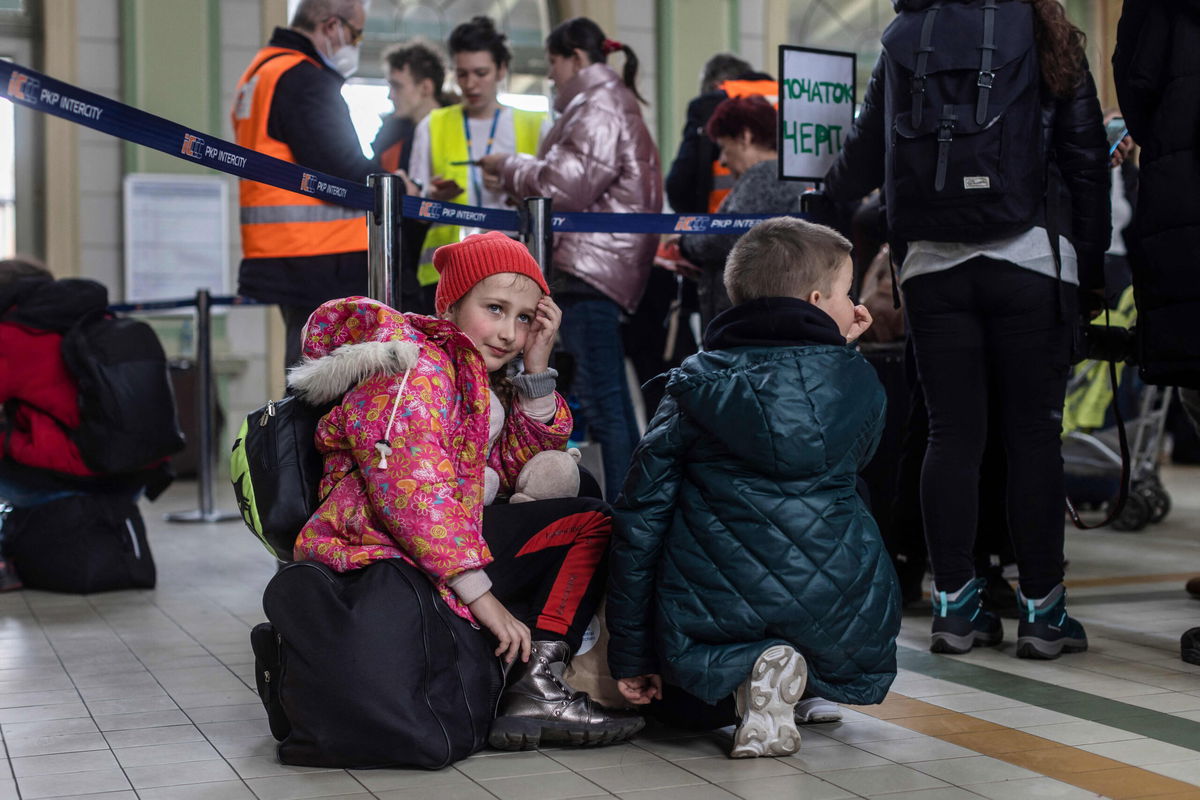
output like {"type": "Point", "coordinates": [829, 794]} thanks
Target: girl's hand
{"type": "Point", "coordinates": [544, 329]}
{"type": "Point", "coordinates": [511, 632]}
{"type": "Point", "coordinates": [642, 689]}
{"type": "Point", "coordinates": [492, 163]}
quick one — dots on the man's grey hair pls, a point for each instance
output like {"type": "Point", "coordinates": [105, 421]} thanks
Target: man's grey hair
{"type": "Point", "coordinates": [311, 13]}
{"type": "Point", "coordinates": [722, 67]}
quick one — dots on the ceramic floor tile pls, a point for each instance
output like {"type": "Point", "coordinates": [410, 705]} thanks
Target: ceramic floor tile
{"type": "Point", "coordinates": [175, 753]}
{"type": "Point", "coordinates": [38, 786]}
{"type": "Point", "coordinates": [875, 780]}
{"type": "Point", "coordinates": [949, 793]}
{"type": "Point", "coordinates": [706, 792]}
{"type": "Point", "coordinates": [972, 769]}
{"type": "Point", "coordinates": [923, 748]}
{"type": "Point", "coordinates": [223, 790]}
{"type": "Point", "coordinates": [509, 765]}
{"type": "Point", "coordinates": [59, 763]}
{"type": "Point", "coordinates": [65, 743]}
{"type": "Point", "coordinates": [142, 737]}
{"type": "Point", "coordinates": [691, 747]}
{"type": "Point", "coordinates": [267, 766]}
{"type": "Point", "coordinates": [432, 782]}
{"type": "Point", "coordinates": [834, 758]}
{"type": "Point", "coordinates": [317, 784]}
{"type": "Point", "coordinates": [470, 791]}
{"type": "Point", "coordinates": [635, 777]}
{"type": "Point", "coordinates": [178, 774]}
{"type": "Point", "coordinates": [1033, 789]}
{"type": "Point", "coordinates": [545, 787]}
{"type": "Point", "coordinates": [1077, 733]}
{"type": "Point", "coordinates": [577, 758]}
{"type": "Point", "coordinates": [799, 785]}
{"type": "Point", "coordinates": [722, 769]}
{"type": "Point", "coordinates": [145, 719]}
{"type": "Point", "coordinates": [1188, 771]}
{"type": "Point", "coordinates": [868, 731]}
{"type": "Point", "coordinates": [1142, 751]}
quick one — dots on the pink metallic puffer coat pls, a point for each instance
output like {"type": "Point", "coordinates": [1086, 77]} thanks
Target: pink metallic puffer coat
{"type": "Point", "coordinates": [423, 502]}
{"type": "Point", "coordinates": [598, 157]}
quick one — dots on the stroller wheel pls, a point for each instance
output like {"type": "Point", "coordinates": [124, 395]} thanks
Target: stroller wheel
{"type": "Point", "coordinates": [1158, 500]}
{"type": "Point", "coordinates": [1134, 516]}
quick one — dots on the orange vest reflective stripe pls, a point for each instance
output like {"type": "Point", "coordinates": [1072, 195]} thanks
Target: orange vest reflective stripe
{"type": "Point", "coordinates": [722, 178]}
{"type": "Point", "coordinates": [277, 223]}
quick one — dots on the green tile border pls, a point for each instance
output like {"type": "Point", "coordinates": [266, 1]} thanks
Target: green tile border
{"type": "Point", "coordinates": [1084, 706]}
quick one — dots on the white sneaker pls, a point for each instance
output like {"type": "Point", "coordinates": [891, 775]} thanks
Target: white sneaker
{"type": "Point", "coordinates": [817, 709]}
{"type": "Point", "coordinates": [766, 703]}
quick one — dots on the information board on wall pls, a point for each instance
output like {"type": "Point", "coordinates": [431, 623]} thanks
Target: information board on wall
{"type": "Point", "coordinates": [816, 109]}
{"type": "Point", "coordinates": [176, 236]}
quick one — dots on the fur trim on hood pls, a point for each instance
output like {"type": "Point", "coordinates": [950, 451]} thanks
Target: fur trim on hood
{"type": "Point", "coordinates": [321, 380]}
{"type": "Point", "coordinates": [348, 340]}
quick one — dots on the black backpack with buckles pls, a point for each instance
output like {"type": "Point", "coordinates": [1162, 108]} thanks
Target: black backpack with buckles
{"type": "Point", "coordinates": [964, 157]}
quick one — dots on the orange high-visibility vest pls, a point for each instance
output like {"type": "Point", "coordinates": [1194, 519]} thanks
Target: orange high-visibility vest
{"type": "Point", "coordinates": [277, 223]}
{"type": "Point", "coordinates": [722, 179]}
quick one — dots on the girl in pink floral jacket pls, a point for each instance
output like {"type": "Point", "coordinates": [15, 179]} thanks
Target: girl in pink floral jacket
{"type": "Point", "coordinates": [426, 412]}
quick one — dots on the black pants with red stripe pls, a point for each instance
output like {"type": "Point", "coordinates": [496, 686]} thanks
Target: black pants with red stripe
{"type": "Point", "coordinates": [551, 563]}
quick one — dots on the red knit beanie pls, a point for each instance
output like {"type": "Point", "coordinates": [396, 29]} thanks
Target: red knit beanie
{"type": "Point", "coordinates": [463, 264]}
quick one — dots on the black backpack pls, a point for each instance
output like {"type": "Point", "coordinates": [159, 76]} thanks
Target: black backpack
{"type": "Point", "coordinates": [276, 471]}
{"type": "Point", "coordinates": [127, 410]}
{"type": "Point", "coordinates": [964, 157]}
{"type": "Point", "coordinates": [371, 668]}
{"type": "Point", "coordinates": [81, 543]}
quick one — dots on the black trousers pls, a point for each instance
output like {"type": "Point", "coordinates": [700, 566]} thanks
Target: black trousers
{"type": "Point", "coordinates": [992, 342]}
{"type": "Point", "coordinates": [551, 562]}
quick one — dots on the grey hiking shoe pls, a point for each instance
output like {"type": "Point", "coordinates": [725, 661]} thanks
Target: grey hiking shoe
{"type": "Point", "coordinates": [1045, 631]}
{"type": "Point", "coordinates": [766, 703]}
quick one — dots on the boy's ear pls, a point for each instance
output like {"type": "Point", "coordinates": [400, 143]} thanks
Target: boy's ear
{"type": "Point", "coordinates": [814, 297]}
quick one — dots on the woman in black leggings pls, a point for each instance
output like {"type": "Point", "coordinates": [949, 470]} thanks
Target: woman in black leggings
{"type": "Point", "coordinates": [992, 321]}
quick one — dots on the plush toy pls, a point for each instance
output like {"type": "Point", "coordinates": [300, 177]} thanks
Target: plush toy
{"type": "Point", "coordinates": [549, 474]}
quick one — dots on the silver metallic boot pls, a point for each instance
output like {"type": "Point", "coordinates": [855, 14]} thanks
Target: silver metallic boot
{"type": "Point", "coordinates": [538, 707]}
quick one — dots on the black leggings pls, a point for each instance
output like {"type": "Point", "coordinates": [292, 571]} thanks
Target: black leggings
{"type": "Point", "coordinates": [551, 562]}
{"type": "Point", "coordinates": [990, 334]}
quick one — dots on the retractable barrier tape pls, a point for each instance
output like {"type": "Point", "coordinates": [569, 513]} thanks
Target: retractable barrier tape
{"type": "Point", "coordinates": [34, 90]}
{"type": "Point", "coordinates": [43, 93]}
{"type": "Point", "coordinates": [582, 222]}
{"type": "Point", "coordinates": [184, 302]}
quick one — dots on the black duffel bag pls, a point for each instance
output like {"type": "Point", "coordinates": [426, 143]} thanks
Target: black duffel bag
{"type": "Point", "coordinates": [82, 543]}
{"type": "Point", "coordinates": [371, 668]}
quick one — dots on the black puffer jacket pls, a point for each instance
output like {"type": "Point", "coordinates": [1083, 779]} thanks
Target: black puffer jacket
{"type": "Point", "coordinates": [1073, 140]}
{"type": "Point", "coordinates": [1157, 71]}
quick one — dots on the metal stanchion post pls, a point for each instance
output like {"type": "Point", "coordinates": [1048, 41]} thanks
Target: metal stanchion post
{"type": "Point", "coordinates": [383, 239]}
{"type": "Point", "coordinates": [207, 446]}
{"type": "Point", "coordinates": [538, 231]}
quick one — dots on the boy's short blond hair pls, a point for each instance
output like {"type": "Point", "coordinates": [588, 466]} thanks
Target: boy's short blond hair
{"type": "Point", "coordinates": [784, 257]}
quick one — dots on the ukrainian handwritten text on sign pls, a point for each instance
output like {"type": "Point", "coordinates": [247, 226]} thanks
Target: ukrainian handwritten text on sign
{"type": "Point", "coordinates": [816, 109]}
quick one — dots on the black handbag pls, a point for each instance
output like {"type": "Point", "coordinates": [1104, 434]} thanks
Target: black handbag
{"type": "Point", "coordinates": [371, 668]}
{"type": "Point", "coordinates": [81, 543]}
{"type": "Point", "coordinates": [276, 471]}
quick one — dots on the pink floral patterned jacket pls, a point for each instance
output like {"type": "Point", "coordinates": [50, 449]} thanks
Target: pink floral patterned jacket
{"type": "Point", "coordinates": [405, 479]}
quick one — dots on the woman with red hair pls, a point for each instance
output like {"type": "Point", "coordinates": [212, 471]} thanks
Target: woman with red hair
{"type": "Point", "coordinates": [745, 129]}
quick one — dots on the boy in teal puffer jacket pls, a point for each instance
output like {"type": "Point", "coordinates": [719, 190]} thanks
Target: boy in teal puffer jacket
{"type": "Point", "coordinates": [745, 566]}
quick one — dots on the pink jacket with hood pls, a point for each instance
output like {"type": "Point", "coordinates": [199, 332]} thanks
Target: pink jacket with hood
{"type": "Point", "coordinates": [599, 156]}
{"type": "Point", "coordinates": [405, 479]}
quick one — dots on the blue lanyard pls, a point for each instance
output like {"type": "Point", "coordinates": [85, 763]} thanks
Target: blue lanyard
{"type": "Point", "coordinates": [474, 170]}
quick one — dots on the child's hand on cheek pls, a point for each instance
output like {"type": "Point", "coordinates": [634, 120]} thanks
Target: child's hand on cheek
{"type": "Point", "coordinates": [862, 321]}
{"type": "Point", "coordinates": [541, 336]}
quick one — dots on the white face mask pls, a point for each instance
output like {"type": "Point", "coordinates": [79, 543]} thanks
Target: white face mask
{"type": "Point", "coordinates": [345, 60]}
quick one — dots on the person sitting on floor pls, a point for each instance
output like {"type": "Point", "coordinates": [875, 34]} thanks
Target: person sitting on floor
{"type": "Point", "coordinates": [433, 416]}
{"type": "Point", "coordinates": [745, 565]}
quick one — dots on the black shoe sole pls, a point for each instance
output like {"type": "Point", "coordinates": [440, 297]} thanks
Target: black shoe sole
{"type": "Point", "coordinates": [1043, 650]}
{"type": "Point", "coordinates": [523, 733]}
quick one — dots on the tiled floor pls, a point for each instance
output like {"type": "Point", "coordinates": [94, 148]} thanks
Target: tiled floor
{"type": "Point", "coordinates": [147, 695]}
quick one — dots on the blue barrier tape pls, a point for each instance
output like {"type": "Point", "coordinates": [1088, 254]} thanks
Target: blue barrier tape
{"type": "Point", "coordinates": [43, 93]}
{"type": "Point", "coordinates": [34, 90]}
{"type": "Point", "coordinates": [186, 302]}
{"type": "Point", "coordinates": [581, 222]}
